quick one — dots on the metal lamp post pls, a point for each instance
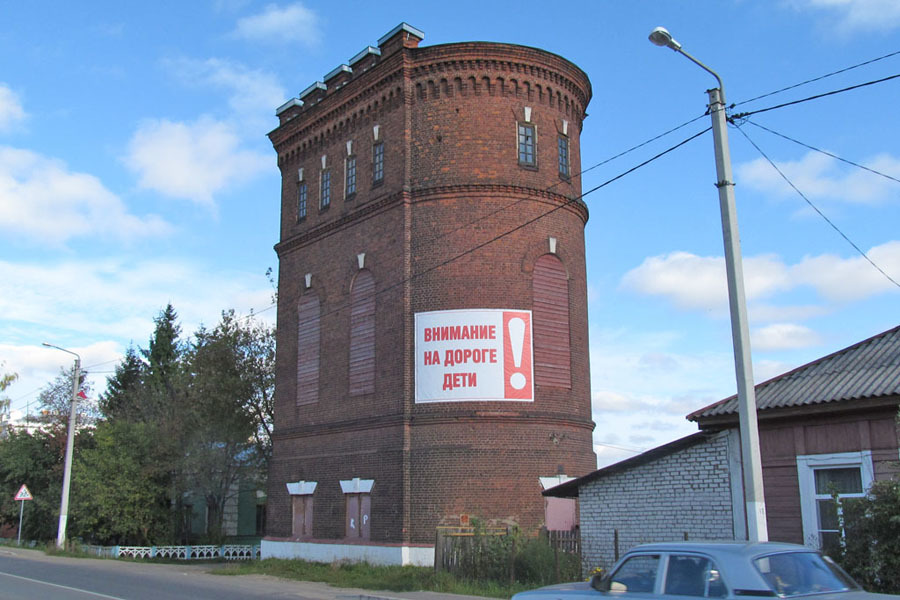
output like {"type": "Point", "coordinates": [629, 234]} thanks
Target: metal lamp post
{"type": "Point", "coordinates": [70, 446]}
{"type": "Point", "coordinates": [740, 333]}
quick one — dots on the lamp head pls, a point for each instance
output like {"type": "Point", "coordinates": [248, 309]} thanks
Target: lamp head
{"type": "Point", "coordinates": [661, 37]}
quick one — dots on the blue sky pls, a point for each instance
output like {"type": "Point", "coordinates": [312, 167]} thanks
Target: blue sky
{"type": "Point", "coordinates": [135, 171]}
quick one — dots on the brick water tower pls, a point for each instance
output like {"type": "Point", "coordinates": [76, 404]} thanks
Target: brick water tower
{"type": "Point", "coordinates": [432, 361]}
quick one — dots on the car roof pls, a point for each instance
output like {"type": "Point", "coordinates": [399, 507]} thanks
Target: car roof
{"type": "Point", "coordinates": [732, 558]}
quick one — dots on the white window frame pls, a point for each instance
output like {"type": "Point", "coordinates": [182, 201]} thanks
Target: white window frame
{"type": "Point", "coordinates": [533, 163]}
{"type": "Point", "coordinates": [807, 464]}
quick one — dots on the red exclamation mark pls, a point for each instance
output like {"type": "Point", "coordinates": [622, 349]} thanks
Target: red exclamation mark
{"type": "Point", "coordinates": [516, 328]}
{"type": "Point", "coordinates": [517, 356]}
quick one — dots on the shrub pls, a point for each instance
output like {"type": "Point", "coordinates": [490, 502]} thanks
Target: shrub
{"type": "Point", "coordinates": [871, 553]}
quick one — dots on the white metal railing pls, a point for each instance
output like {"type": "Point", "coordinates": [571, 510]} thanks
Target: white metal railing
{"type": "Point", "coordinates": [203, 552]}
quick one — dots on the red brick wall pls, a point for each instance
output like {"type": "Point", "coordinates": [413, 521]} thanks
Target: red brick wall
{"type": "Point", "coordinates": [452, 183]}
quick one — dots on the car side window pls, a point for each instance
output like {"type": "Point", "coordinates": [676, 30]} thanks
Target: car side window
{"type": "Point", "coordinates": [636, 574]}
{"type": "Point", "coordinates": [693, 576]}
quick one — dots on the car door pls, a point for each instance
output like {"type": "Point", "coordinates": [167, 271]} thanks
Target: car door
{"type": "Point", "coordinates": [691, 576]}
{"type": "Point", "coordinates": [637, 575]}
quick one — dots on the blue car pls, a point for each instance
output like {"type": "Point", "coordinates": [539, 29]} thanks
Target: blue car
{"type": "Point", "coordinates": [730, 570]}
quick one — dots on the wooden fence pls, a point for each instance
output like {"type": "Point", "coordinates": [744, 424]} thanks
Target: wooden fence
{"type": "Point", "coordinates": [491, 552]}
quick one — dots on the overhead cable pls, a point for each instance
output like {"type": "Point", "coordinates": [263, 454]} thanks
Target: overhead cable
{"type": "Point", "coordinates": [825, 152]}
{"type": "Point", "coordinates": [816, 97]}
{"type": "Point", "coordinates": [838, 72]}
{"type": "Point", "coordinates": [815, 208]}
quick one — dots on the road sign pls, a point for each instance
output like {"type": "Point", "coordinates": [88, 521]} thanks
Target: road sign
{"type": "Point", "coordinates": [24, 494]}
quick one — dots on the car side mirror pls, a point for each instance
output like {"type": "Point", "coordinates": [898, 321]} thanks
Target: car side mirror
{"type": "Point", "coordinates": [600, 583]}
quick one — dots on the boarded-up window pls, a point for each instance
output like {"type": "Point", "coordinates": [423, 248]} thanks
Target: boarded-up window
{"type": "Point", "coordinates": [359, 507]}
{"type": "Point", "coordinates": [308, 350]}
{"type": "Point", "coordinates": [302, 515]}
{"type": "Point", "coordinates": [552, 358]}
{"type": "Point", "coordinates": [362, 334]}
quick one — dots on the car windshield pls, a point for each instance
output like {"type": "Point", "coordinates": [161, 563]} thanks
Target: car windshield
{"type": "Point", "coordinates": [799, 573]}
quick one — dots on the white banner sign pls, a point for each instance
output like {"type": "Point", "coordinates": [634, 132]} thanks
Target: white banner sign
{"type": "Point", "coordinates": [472, 355]}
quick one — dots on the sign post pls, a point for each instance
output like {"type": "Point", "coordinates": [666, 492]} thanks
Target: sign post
{"type": "Point", "coordinates": [21, 496]}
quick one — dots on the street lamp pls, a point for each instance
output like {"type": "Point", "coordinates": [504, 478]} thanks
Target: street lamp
{"type": "Point", "coordinates": [740, 333]}
{"type": "Point", "coordinates": [70, 446]}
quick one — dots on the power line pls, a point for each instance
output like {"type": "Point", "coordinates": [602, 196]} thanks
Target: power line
{"type": "Point", "coordinates": [816, 97]}
{"type": "Point", "coordinates": [838, 72]}
{"type": "Point", "coordinates": [520, 226]}
{"type": "Point", "coordinates": [583, 171]}
{"type": "Point", "coordinates": [624, 448]}
{"type": "Point", "coordinates": [825, 152]}
{"type": "Point", "coordinates": [509, 232]}
{"type": "Point", "coordinates": [815, 208]}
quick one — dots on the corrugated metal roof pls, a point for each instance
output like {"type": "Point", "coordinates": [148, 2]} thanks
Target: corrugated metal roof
{"type": "Point", "coordinates": [868, 369]}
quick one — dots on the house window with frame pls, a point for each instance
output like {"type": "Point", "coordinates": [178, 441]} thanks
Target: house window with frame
{"type": "Point", "coordinates": [563, 147]}
{"type": "Point", "coordinates": [301, 201]}
{"type": "Point", "coordinates": [325, 189]}
{"type": "Point", "coordinates": [350, 177]}
{"type": "Point", "coordinates": [527, 145]}
{"type": "Point", "coordinates": [822, 479]}
{"type": "Point", "coordinates": [377, 163]}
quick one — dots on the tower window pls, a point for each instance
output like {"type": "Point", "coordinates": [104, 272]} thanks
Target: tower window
{"type": "Point", "coordinates": [527, 145]}
{"type": "Point", "coordinates": [378, 163]}
{"type": "Point", "coordinates": [563, 145]}
{"type": "Point", "coordinates": [301, 202]}
{"type": "Point", "coordinates": [325, 189]}
{"type": "Point", "coordinates": [308, 338]}
{"type": "Point", "coordinates": [350, 183]}
{"type": "Point", "coordinates": [362, 334]}
{"type": "Point", "coordinates": [552, 356]}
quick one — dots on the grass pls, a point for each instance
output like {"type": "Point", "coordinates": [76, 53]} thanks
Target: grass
{"type": "Point", "coordinates": [371, 577]}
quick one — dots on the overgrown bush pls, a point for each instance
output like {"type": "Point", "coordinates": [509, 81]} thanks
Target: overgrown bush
{"type": "Point", "coordinates": [538, 563]}
{"type": "Point", "coordinates": [872, 538]}
{"type": "Point", "coordinates": [513, 557]}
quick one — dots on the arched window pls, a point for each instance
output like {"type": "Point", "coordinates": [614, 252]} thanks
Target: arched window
{"type": "Point", "coordinates": [362, 334]}
{"type": "Point", "coordinates": [308, 333]}
{"type": "Point", "coordinates": [552, 357]}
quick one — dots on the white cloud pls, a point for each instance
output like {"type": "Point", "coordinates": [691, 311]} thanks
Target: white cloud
{"type": "Point", "coordinates": [770, 313]}
{"type": "Point", "coordinates": [118, 298]}
{"type": "Point", "coordinates": [644, 385]}
{"type": "Point", "coordinates": [194, 160]}
{"type": "Point", "coordinates": [41, 198]}
{"type": "Point", "coordinates": [849, 279]}
{"type": "Point", "coordinates": [11, 111]}
{"type": "Point", "coordinates": [784, 336]}
{"type": "Point", "coordinates": [764, 370]}
{"type": "Point", "coordinates": [822, 177]}
{"type": "Point", "coordinates": [858, 15]}
{"type": "Point", "coordinates": [698, 282]}
{"type": "Point", "coordinates": [249, 91]}
{"type": "Point", "coordinates": [277, 24]}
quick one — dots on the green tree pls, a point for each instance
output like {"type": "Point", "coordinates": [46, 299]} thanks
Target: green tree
{"type": "Point", "coordinates": [124, 388]}
{"type": "Point", "coordinates": [6, 380]}
{"type": "Point", "coordinates": [225, 393]}
{"type": "Point", "coordinates": [120, 491]}
{"type": "Point", "coordinates": [872, 534]}
{"type": "Point", "coordinates": [36, 461]}
{"type": "Point", "coordinates": [55, 401]}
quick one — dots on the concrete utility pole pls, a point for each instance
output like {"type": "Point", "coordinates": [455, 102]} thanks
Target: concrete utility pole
{"type": "Point", "coordinates": [740, 333]}
{"type": "Point", "coordinates": [70, 447]}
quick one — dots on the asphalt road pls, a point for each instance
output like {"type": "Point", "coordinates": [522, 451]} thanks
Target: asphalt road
{"type": "Point", "coordinates": [32, 575]}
